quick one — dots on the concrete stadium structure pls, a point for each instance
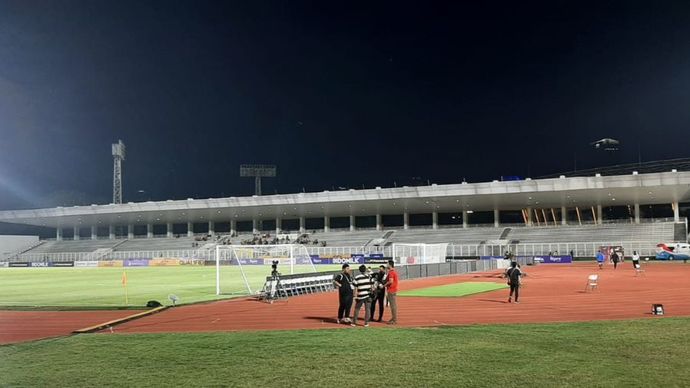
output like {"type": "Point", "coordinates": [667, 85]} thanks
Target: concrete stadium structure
{"type": "Point", "coordinates": [543, 201]}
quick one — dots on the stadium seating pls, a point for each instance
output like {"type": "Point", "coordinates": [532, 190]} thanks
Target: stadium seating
{"type": "Point", "coordinates": [652, 232]}
{"type": "Point", "coordinates": [646, 234]}
{"type": "Point", "coordinates": [156, 244]}
{"type": "Point", "coordinates": [73, 246]}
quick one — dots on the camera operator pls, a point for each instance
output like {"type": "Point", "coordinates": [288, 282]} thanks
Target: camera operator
{"type": "Point", "coordinates": [343, 282]}
{"type": "Point", "coordinates": [274, 269]}
{"type": "Point", "coordinates": [379, 295]}
{"type": "Point", "coordinates": [275, 279]}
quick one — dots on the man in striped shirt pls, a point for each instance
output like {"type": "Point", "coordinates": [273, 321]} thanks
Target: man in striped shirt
{"type": "Point", "coordinates": [363, 287]}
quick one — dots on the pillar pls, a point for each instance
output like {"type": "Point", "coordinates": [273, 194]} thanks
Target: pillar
{"type": "Point", "coordinates": [637, 213]}
{"type": "Point", "coordinates": [434, 220]}
{"type": "Point", "coordinates": [352, 223]}
{"type": "Point", "coordinates": [379, 222]}
{"type": "Point", "coordinates": [529, 216]}
{"type": "Point", "coordinates": [497, 218]}
{"type": "Point", "coordinates": [564, 215]}
{"type": "Point", "coordinates": [76, 233]}
{"type": "Point", "coordinates": [406, 220]}
{"type": "Point", "coordinates": [326, 224]}
{"type": "Point", "coordinates": [465, 218]}
{"type": "Point", "coordinates": [190, 229]}
{"type": "Point", "coordinates": [211, 228]}
{"type": "Point", "coordinates": [58, 234]}
{"type": "Point", "coordinates": [130, 231]}
{"type": "Point", "coordinates": [676, 212]}
{"type": "Point", "coordinates": [233, 227]}
{"type": "Point", "coordinates": [170, 230]}
{"type": "Point", "coordinates": [111, 232]}
{"type": "Point", "coordinates": [94, 232]}
{"type": "Point", "coordinates": [600, 214]}
{"type": "Point", "coordinates": [279, 225]}
{"type": "Point", "coordinates": [302, 221]}
{"type": "Point", "coordinates": [149, 231]}
{"type": "Point", "coordinates": [255, 226]}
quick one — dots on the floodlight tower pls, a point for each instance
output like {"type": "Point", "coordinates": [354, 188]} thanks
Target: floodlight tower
{"type": "Point", "coordinates": [118, 157]}
{"type": "Point", "coordinates": [258, 171]}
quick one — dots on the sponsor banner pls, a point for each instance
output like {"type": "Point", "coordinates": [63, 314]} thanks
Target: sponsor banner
{"type": "Point", "coordinates": [4, 264]}
{"type": "Point", "coordinates": [85, 264]}
{"type": "Point", "coordinates": [164, 262]}
{"type": "Point", "coordinates": [334, 256]}
{"type": "Point", "coordinates": [40, 264]}
{"type": "Point", "coordinates": [250, 261]}
{"type": "Point", "coordinates": [545, 259]}
{"type": "Point", "coordinates": [350, 260]}
{"type": "Point", "coordinates": [62, 264]}
{"type": "Point", "coordinates": [136, 263]}
{"type": "Point", "coordinates": [110, 263]}
{"type": "Point", "coordinates": [562, 259]}
{"type": "Point", "coordinates": [376, 260]}
{"type": "Point", "coordinates": [303, 260]}
{"type": "Point", "coordinates": [193, 262]}
{"type": "Point", "coordinates": [18, 264]}
{"type": "Point", "coordinates": [320, 260]}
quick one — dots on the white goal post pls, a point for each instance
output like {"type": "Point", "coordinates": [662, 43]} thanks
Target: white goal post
{"type": "Point", "coordinates": [407, 254]}
{"type": "Point", "coordinates": [253, 263]}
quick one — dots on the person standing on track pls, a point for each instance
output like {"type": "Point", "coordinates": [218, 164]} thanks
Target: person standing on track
{"type": "Point", "coordinates": [380, 279]}
{"type": "Point", "coordinates": [392, 287]}
{"type": "Point", "coordinates": [600, 259]}
{"type": "Point", "coordinates": [615, 258]}
{"type": "Point", "coordinates": [636, 260]}
{"type": "Point", "coordinates": [514, 278]}
{"type": "Point", "coordinates": [343, 282]}
{"type": "Point", "coordinates": [363, 290]}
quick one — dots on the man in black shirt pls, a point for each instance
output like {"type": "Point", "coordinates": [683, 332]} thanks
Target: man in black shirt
{"type": "Point", "coordinates": [343, 282]}
{"type": "Point", "coordinates": [379, 294]}
{"type": "Point", "coordinates": [514, 277]}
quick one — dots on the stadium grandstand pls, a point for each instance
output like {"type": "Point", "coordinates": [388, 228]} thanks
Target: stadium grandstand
{"type": "Point", "coordinates": [561, 214]}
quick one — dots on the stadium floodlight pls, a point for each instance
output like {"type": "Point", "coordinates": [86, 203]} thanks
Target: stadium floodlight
{"type": "Point", "coordinates": [258, 171]}
{"type": "Point", "coordinates": [118, 156]}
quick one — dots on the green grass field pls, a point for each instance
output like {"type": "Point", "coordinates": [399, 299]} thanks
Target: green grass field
{"type": "Point", "coordinates": [454, 290]}
{"type": "Point", "coordinates": [639, 353]}
{"type": "Point", "coordinates": [102, 287]}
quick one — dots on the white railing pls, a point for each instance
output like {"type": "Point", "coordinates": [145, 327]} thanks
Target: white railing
{"type": "Point", "coordinates": [579, 249]}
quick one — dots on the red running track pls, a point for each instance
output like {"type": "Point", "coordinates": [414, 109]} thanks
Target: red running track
{"type": "Point", "coordinates": [551, 293]}
{"type": "Point", "coordinates": [19, 326]}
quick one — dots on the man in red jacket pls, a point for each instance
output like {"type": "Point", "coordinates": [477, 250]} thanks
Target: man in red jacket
{"type": "Point", "coordinates": [392, 286]}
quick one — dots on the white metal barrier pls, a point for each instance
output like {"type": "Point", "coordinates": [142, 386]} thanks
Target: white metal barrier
{"type": "Point", "coordinates": [579, 249]}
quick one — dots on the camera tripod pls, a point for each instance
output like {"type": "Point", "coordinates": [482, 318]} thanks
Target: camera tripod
{"type": "Point", "coordinates": [274, 289]}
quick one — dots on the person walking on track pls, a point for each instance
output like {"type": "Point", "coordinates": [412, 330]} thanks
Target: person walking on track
{"type": "Point", "coordinates": [514, 276]}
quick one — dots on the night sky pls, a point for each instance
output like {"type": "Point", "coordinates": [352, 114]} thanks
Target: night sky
{"type": "Point", "coordinates": [337, 94]}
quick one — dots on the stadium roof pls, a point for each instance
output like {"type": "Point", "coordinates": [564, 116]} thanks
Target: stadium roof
{"type": "Point", "coordinates": [645, 189]}
{"type": "Point", "coordinates": [681, 164]}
